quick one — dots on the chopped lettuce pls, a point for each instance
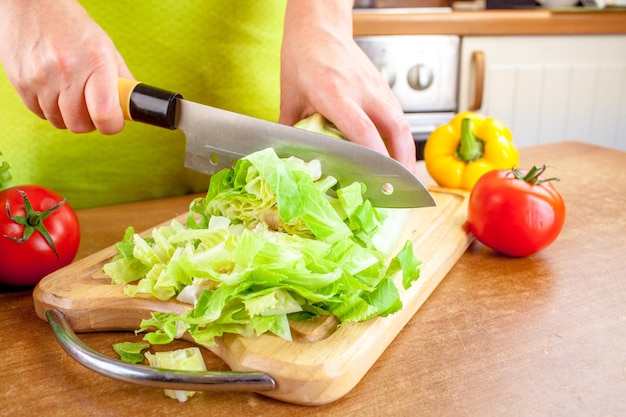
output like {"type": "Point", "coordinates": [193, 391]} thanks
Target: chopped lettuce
{"type": "Point", "coordinates": [131, 351]}
{"type": "Point", "coordinates": [318, 123]}
{"type": "Point", "coordinates": [5, 175]}
{"type": "Point", "coordinates": [268, 244]}
{"type": "Point", "coordinates": [187, 359]}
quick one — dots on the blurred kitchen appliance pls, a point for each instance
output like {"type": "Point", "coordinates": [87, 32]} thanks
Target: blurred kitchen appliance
{"type": "Point", "coordinates": [423, 72]}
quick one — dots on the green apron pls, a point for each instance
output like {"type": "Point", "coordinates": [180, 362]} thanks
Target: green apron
{"type": "Point", "coordinates": [225, 53]}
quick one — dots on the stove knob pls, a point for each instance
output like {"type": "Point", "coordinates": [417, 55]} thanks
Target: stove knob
{"type": "Point", "coordinates": [388, 74]}
{"type": "Point", "coordinates": [420, 77]}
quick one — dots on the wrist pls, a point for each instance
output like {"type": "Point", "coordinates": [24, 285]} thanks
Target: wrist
{"type": "Point", "coordinates": [330, 15]}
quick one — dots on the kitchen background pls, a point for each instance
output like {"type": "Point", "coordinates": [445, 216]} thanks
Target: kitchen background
{"type": "Point", "coordinates": [547, 87]}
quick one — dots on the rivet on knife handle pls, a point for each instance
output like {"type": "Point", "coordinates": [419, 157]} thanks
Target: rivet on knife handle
{"type": "Point", "coordinates": [147, 104]}
{"type": "Point", "coordinates": [149, 376]}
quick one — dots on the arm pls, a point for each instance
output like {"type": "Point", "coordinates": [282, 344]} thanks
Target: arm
{"type": "Point", "coordinates": [324, 70]}
{"type": "Point", "coordinates": [62, 64]}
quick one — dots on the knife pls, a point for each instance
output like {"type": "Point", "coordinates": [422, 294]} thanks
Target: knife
{"type": "Point", "coordinates": [216, 139]}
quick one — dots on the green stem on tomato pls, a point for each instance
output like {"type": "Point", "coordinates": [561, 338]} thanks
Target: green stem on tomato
{"type": "Point", "coordinates": [470, 147]}
{"type": "Point", "coordinates": [533, 175]}
{"type": "Point", "coordinates": [33, 221]}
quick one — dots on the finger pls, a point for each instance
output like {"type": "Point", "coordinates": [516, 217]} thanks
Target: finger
{"type": "Point", "coordinates": [74, 109]}
{"type": "Point", "coordinates": [28, 95]}
{"type": "Point", "coordinates": [354, 123]}
{"type": "Point", "coordinates": [102, 101]}
{"type": "Point", "coordinates": [292, 108]}
{"type": "Point", "coordinates": [290, 116]}
{"type": "Point", "coordinates": [32, 103]}
{"type": "Point", "coordinates": [49, 104]}
{"type": "Point", "coordinates": [393, 126]}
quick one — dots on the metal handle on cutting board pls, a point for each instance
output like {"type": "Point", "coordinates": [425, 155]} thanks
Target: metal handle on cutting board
{"type": "Point", "coordinates": [149, 376]}
{"type": "Point", "coordinates": [144, 103]}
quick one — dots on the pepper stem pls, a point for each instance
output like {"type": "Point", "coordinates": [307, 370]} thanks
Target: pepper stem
{"type": "Point", "coordinates": [470, 147]}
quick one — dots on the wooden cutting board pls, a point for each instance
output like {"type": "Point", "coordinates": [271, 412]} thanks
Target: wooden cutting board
{"type": "Point", "coordinates": [323, 363]}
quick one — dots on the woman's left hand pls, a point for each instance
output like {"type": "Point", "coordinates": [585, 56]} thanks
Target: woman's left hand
{"type": "Point", "coordinates": [324, 71]}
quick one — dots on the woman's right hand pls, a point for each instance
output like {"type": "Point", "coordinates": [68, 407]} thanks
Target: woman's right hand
{"type": "Point", "coordinates": [62, 64]}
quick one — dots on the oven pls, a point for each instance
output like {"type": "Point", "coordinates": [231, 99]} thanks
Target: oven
{"type": "Point", "coordinates": [422, 71]}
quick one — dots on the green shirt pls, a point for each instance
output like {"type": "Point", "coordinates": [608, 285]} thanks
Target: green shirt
{"type": "Point", "coordinates": [224, 53]}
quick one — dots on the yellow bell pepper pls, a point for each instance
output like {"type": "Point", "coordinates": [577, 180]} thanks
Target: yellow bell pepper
{"type": "Point", "coordinates": [458, 153]}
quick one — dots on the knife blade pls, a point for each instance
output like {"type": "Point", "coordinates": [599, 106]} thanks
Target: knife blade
{"type": "Point", "coordinates": [216, 138]}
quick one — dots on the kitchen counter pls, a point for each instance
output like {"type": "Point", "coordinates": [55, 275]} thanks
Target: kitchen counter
{"type": "Point", "coordinates": [491, 22]}
{"type": "Point", "coordinates": [542, 335]}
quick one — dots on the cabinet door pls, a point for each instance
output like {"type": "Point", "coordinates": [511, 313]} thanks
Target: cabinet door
{"type": "Point", "coordinates": [549, 88]}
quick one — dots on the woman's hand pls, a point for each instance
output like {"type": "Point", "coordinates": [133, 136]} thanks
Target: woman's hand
{"type": "Point", "coordinates": [324, 71]}
{"type": "Point", "coordinates": [62, 64]}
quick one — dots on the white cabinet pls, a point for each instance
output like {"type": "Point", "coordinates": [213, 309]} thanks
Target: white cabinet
{"type": "Point", "coordinates": [548, 88]}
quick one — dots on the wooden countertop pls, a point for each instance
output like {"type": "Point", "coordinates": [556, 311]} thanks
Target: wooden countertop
{"type": "Point", "coordinates": [542, 335]}
{"type": "Point", "coordinates": [491, 22]}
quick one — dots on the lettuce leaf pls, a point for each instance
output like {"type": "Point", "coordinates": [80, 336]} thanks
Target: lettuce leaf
{"type": "Point", "coordinates": [5, 175]}
{"type": "Point", "coordinates": [131, 351]}
{"type": "Point", "coordinates": [267, 244]}
{"type": "Point", "coordinates": [187, 359]}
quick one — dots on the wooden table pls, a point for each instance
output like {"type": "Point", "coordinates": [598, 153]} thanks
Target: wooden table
{"type": "Point", "coordinates": [543, 335]}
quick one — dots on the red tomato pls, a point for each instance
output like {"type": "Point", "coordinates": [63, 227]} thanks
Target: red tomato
{"type": "Point", "coordinates": [25, 260]}
{"type": "Point", "coordinates": [517, 213]}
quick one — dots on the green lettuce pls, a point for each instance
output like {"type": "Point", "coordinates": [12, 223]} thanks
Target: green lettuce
{"type": "Point", "coordinates": [186, 359]}
{"type": "Point", "coordinates": [131, 351]}
{"type": "Point", "coordinates": [5, 175]}
{"type": "Point", "coordinates": [266, 245]}
{"type": "Point", "coordinates": [318, 123]}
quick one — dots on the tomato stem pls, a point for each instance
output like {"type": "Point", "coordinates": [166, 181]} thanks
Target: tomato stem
{"type": "Point", "coordinates": [32, 221]}
{"type": "Point", "coordinates": [470, 147]}
{"type": "Point", "coordinates": [533, 175]}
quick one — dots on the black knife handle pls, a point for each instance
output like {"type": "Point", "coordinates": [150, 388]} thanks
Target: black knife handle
{"type": "Point", "coordinates": [146, 104]}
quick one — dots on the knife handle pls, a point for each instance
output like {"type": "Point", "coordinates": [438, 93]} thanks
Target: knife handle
{"type": "Point", "coordinates": [147, 104]}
